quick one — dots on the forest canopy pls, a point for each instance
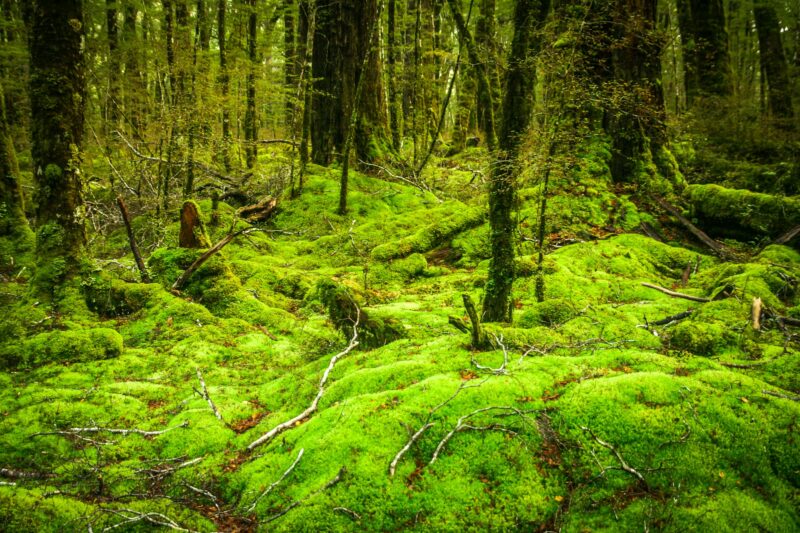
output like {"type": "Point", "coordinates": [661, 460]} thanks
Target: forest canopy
{"type": "Point", "coordinates": [399, 265]}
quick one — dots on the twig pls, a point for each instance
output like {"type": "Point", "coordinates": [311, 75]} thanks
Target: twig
{"type": "Point", "coordinates": [780, 395]}
{"type": "Point", "coordinates": [496, 371]}
{"type": "Point", "coordinates": [354, 515]}
{"type": "Point", "coordinates": [625, 466]}
{"type": "Point", "coordinates": [205, 493]}
{"type": "Point", "coordinates": [409, 444]}
{"type": "Point", "coordinates": [275, 483]}
{"type": "Point", "coordinates": [205, 395]}
{"type": "Point", "coordinates": [676, 294]}
{"type": "Point", "coordinates": [295, 503]}
{"type": "Point", "coordinates": [670, 319]}
{"type": "Point", "coordinates": [157, 519]}
{"type": "Point", "coordinates": [280, 428]}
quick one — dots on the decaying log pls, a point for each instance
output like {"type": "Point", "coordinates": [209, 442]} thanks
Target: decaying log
{"type": "Point", "coordinates": [755, 314]}
{"type": "Point", "coordinates": [123, 209]}
{"type": "Point", "coordinates": [717, 247]}
{"type": "Point", "coordinates": [259, 212]}
{"type": "Point", "coordinates": [192, 233]}
{"type": "Point", "coordinates": [676, 294]}
{"type": "Point", "coordinates": [788, 236]}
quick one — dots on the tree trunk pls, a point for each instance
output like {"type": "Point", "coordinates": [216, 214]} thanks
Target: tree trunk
{"type": "Point", "coordinates": [529, 15]}
{"type": "Point", "coordinates": [114, 74]}
{"type": "Point", "coordinates": [391, 61]}
{"type": "Point", "coordinates": [341, 41]}
{"type": "Point", "coordinates": [12, 208]}
{"type": "Point", "coordinates": [224, 82]}
{"type": "Point", "coordinates": [57, 105]}
{"type": "Point", "coordinates": [290, 66]}
{"type": "Point", "coordinates": [133, 80]}
{"type": "Point", "coordinates": [704, 40]}
{"type": "Point", "coordinates": [306, 27]}
{"type": "Point", "coordinates": [250, 120]}
{"type": "Point", "coordinates": [773, 61]}
{"type": "Point", "coordinates": [485, 28]}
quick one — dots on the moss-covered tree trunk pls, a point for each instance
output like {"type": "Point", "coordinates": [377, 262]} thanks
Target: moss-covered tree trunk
{"type": "Point", "coordinates": [12, 209]}
{"type": "Point", "coordinates": [133, 81]}
{"type": "Point", "coordinates": [773, 62]}
{"type": "Point", "coordinates": [391, 62]}
{"type": "Point", "coordinates": [341, 41]}
{"type": "Point", "coordinates": [224, 82]}
{"type": "Point", "coordinates": [290, 65]}
{"type": "Point", "coordinates": [704, 39]}
{"type": "Point", "coordinates": [486, 42]}
{"type": "Point", "coordinates": [250, 120]}
{"type": "Point", "coordinates": [57, 107]}
{"type": "Point", "coordinates": [516, 113]}
{"type": "Point", "coordinates": [114, 73]}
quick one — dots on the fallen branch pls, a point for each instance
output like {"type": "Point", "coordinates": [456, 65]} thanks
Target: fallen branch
{"type": "Point", "coordinates": [115, 431]}
{"type": "Point", "coordinates": [668, 320]}
{"type": "Point", "coordinates": [179, 283]}
{"type": "Point", "coordinates": [458, 324]}
{"type": "Point", "coordinates": [21, 474]}
{"type": "Point", "coordinates": [132, 516]}
{"type": "Point", "coordinates": [496, 371]}
{"type": "Point", "coordinates": [780, 395]}
{"type": "Point", "coordinates": [259, 212]}
{"type": "Point", "coordinates": [623, 464]}
{"type": "Point", "coordinates": [165, 469]}
{"type": "Point", "coordinates": [277, 141]}
{"type": "Point", "coordinates": [205, 395]}
{"type": "Point", "coordinates": [123, 209]}
{"type": "Point", "coordinates": [280, 428]}
{"type": "Point", "coordinates": [718, 248]}
{"type": "Point", "coordinates": [676, 294]}
{"type": "Point", "coordinates": [295, 503]}
{"type": "Point", "coordinates": [414, 438]}
{"type": "Point", "coordinates": [349, 512]}
{"type": "Point", "coordinates": [788, 236]}
{"type": "Point", "coordinates": [275, 483]}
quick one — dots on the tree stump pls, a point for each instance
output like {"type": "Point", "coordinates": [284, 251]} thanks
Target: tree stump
{"type": "Point", "coordinates": [193, 233]}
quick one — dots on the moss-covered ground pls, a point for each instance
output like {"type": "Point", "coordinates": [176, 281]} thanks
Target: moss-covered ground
{"type": "Point", "coordinates": [586, 416]}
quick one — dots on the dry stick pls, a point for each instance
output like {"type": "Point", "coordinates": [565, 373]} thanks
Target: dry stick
{"type": "Point", "coordinates": [204, 394]}
{"type": "Point", "coordinates": [625, 466]}
{"type": "Point", "coordinates": [718, 248]}
{"type": "Point", "coordinates": [295, 503]}
{"type": "Point", "coordinates": [280, 428]}
{"type": "Point", "coordinates": [461, 426]}
{"type": "Point", "coordinates": [496, 371]}
{"type": "Point", "coordinates": [157, 519]}
{"type": "Point", "coordinates": [21, 474]}
{"type": "Point", "coordinates": [670, 319]}
{"type": "Point", "coordinates": [205, 493]}
{"type": "Point", "coordinates": [352, 514]}
{"type": "Point", "coordinates": [276, 483]}
{"type": "Point", "coordinates": [779, 395]}
{"type": "Point", "coordinates": [756, 314]}
{"type": "Point", "coordinates": [788, 236]}
{"type": "Point", "coordinates": [123, 209]}
{"type": "Point", "coordinates": [414, 438]}
{"type": "Point", "coordinates": [115, 431]}
{"type": "Point", "coordinates": [207, 255]}
{"type": "Point", "coordinates": [676, 294]}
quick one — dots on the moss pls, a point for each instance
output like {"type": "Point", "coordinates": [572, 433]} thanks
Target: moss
{"type": "Point", "coordinates": [699, 339]}
{"type": "Point", "coordinates": [430, 236]}
{"type": "Point", "coordinates": [410, 267]}
{"type": "Point", "coordinates": [71, 346]}
{"type": "Point", "coordinates": [756, 212]}
{"type": "Point", "coordinates": [548, 313]}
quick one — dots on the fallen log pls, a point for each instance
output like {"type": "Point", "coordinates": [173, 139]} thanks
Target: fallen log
{"type": "Point", "coordinates": [260, 211]}
{"type": "Point", "coordinates": [717, 247]}
{"type": "Point", "coordinates": [181, 281]}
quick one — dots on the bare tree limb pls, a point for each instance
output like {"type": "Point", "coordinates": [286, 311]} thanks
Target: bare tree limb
{"type": "Point", "coordinates": [625, 466]}
{"type": "Point", "coordinates": [280, 428]}
{"type": "Point", "coordinates": [275, 483]}
{"type": "Point", "coordinates": [208, 254]}
{"type": "Point", "coordinates": [295, 503]}
{"type": "Point", "coordinates": [204, 394]}
{"type": "Point", "coordinates": [22, 474]}
{"type": "Point", "coordinates": [676, 294]}
{"type": "Point", "coordinates": [132, 516]}
{"type": "Point", "coordinates": [718, 248]}
{"type": "Point", "coordinates": [132, 240]}
{"type": "Point", "coordinates": [114, 431]}
{"type": "Point", "coordinates": [781, 395]}
{"type": "Point", "coordinates": [414, 438]}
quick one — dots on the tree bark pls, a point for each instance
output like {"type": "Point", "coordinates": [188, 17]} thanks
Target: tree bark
{"type": "Point", "coordinates": [290, 65]}
{"type": "Point", "coordinates": [250, 120]}
{"type": "Point", "coordinates": [704, 39]}
{"type": "Point", "coordinates": [224, 82]}
{"type": "Point", "coordinates": [114, 74]}
{"type": "Point", "coordinates": [57, 92]}
{"type": "Point", "coordinates": [12, 206]}
{"type": "Point", "coordinates": [391, 61]}
{"type": "Point", "coordinates": [773, 61]}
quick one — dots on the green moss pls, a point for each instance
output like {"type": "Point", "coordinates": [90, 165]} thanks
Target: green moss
{"type": "Point", "coordinates": [71, 346]}
{"type": "Point", "coordinates": [548, 313]}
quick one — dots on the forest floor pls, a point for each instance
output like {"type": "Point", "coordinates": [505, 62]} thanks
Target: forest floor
{"type": "Point", "coordinates": [593, 411]}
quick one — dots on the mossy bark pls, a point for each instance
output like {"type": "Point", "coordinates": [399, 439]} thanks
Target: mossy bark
{"type": "Point", "coordinates": [193, 233]}
{"type": "Point", "coordinates": [773, 63]}
{"type": "Point", "coordinates": [250, 121]}
{"type": "Point", "coordinates": [57, 106]}
{"type": "Point", "coordinates": [12, 207]}
{"type": "Point", "coordinates": [704, 39]}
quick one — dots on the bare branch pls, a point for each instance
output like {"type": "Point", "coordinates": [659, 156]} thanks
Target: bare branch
{"type": "Point", "coordinates": [295, 503]}
{"type": "Point", "coordinates": [625, 466]}
{"type": "Point", "coordinates": [115, 431]}
{"type": "Point", "coordinates": [676, 294]}
{"type": "Point", "coordinates": [781, 395]}
{"type": "Point", "coordinates": [275, 483]}
{"type": "Point", "coordinates": [280, 428]}
{"type": "Point", "coordinates": [205, 395]}
{"type": "Point", "coordinates": [414, 438]}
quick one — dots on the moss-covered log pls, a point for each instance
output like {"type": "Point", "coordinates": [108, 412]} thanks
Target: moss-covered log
{"type": "Point", "coordinates": [739, 212]}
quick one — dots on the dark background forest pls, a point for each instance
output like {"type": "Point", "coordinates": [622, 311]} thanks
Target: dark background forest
{"type": "Point", "coordinates": [399, 264]}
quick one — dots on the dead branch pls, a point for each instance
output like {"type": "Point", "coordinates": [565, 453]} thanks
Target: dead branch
{"type": "Point", "coordinates": [676, 294]}
{"type": "Point", "coordinates": [718, 248]}
{"type": "Point", "coordinates": [114, 431]}
{"type": "Point", "coordinates": [625, 466]}
{"type": "Point", "coordinates": [409, 444]}
{"type": "Point", "coordinates": [496, 371]}
{"type": "Point", "coordinates": [670, 319]}
{"type": "Point", "coordinates": [781, 395]}
{"type": "Point", "coordinates": [205, 395]}
{"type": "Point", "coordinates": [205, 493]}
{"type": "Point", "coordinates": [280, 428]}
{"type": "Point", "coordinates": [132, 516]}
{"type": "Point", "coordinates": [123, 209]}
{"type": "Point", "coordinates": [165, 469]}
{"type": "Point", "coordinates": [275, 483]}
{"type": "Point", "coordinates": [344, 510]}
{"type": "Point", "coordinates": [22, 474]}
{"type": "Point", "coordinates": [208, 255]}
{"type": "Point", "coordinates": [295, 503]}
{"type": "Point", "coordinates": [788, 236]}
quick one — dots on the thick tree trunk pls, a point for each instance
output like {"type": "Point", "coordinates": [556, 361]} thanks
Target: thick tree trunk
{"type": "Point", "coordinates": [773, 61]}
{"type": "Point", "coordinates": [704, 40]}
{"type": "Point", "coordinates": [133, 80]}
{"type": "Point", "coordinates": [391, 61]}
{"type": "Point", "coordinates": [112, 32]}
{"type": "Point", "coordinates": [57, 106]}
{"type": "Point", "coordinates": [290, 66]}
{"type": "Point", "coordinates": [517, 107]}
{"type": "Point", "coordinates": [250, 120]}
{"type": "Point", "coordinates": [485, 28]}
{"type": "Point", "coordinates": [224, 82]}
{"type": "Point", "coordinates": [341, 41]}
